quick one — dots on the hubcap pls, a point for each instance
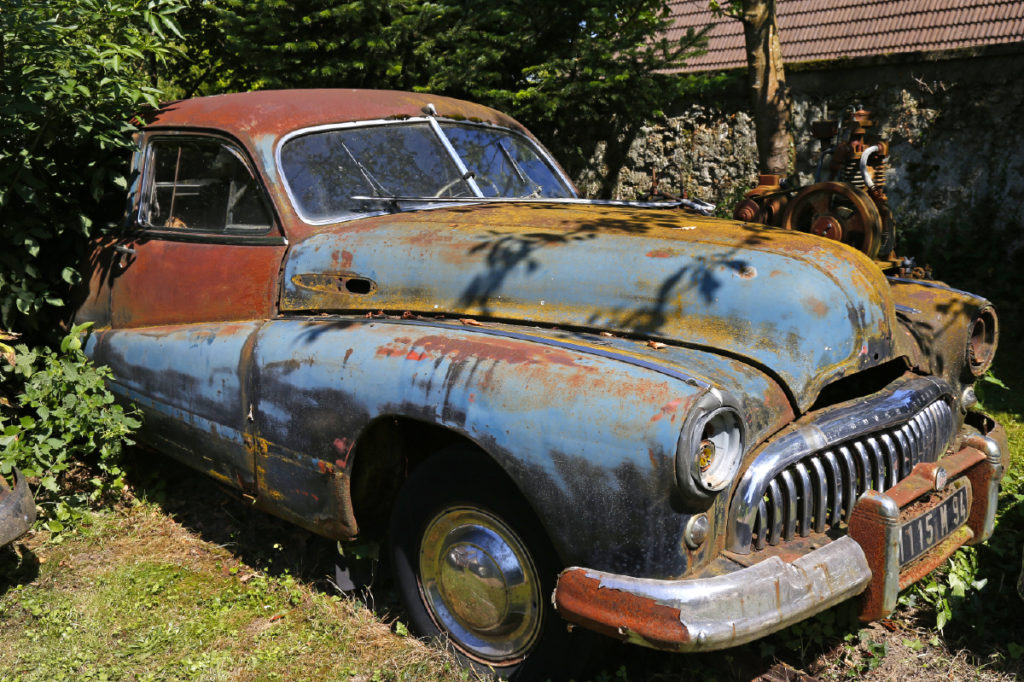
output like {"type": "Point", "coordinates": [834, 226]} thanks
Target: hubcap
{"type": "Point", "coordinates": [479, 584]}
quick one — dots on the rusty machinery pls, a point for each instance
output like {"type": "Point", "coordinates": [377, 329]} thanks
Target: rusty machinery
{"type": "Point", "coordinates": [847, 201]}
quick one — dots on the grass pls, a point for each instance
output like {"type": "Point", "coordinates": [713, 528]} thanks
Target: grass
{"type": "Point", "coordinates": [184, 583]}
{"type": "Point", "coordinates": [138, 595]}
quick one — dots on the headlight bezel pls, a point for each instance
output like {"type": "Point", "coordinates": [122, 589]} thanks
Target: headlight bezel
{"type": "Point", "coordinates": [982, 342]}
{"type": "Point", "coordinates": [716, 421]}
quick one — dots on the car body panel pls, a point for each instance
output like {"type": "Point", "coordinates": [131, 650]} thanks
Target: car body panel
{"type": "Point", "coordinates": [663, 274]}
{"type": "Point", "coordinates": [191, 382]}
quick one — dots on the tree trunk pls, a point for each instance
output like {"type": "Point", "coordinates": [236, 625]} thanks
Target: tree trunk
{"type": "Point", "coordinates": [768, 93]}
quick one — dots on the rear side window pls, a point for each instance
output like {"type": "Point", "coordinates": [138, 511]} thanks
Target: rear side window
{"type": "Point", "coordinates": [201, 186]}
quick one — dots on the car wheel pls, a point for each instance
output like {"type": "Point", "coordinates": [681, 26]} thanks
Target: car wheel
{"type": "Point", "coordinates": [474, 569]}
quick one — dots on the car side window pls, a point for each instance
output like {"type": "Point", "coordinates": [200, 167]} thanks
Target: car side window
{"type": "Point", "coordinates": [198, 185]}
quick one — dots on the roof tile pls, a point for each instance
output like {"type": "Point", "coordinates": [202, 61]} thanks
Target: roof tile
{"type": "Point", "coordinates": [829, 29]}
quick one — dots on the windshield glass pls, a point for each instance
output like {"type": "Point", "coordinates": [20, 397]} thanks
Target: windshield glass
{"type": "Point", "coordinates": [503, 163]}
{"type": "Point", "coordinates": [354, 171]}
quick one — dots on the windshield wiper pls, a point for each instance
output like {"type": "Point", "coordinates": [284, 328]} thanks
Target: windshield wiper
{"type": "Point", "coordinates": [523, 177]}
{"type": "Point", "coordinates": [374, 183]}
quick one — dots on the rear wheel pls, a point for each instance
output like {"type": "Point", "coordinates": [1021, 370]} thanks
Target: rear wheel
{"type": "Point", "coordinates": [473, 567]}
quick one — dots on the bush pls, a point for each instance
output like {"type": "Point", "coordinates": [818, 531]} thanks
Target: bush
{"type": "Point", "coordinates": [61, 427]}
{"type": "Point", "coordinates": [72, 75]}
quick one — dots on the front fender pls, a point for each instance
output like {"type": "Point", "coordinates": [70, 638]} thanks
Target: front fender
{"type": "Point", "coordinates": [586, 429]}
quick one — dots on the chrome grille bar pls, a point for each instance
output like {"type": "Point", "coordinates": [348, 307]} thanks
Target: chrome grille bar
{"type": "Point", "coordinates": [864, 466]}
{"type": "Point", "coordinates": [810, 477]}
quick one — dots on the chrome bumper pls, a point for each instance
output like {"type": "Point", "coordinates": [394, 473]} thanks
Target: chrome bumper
{"type": "Point", "coordinates": [713, 613]}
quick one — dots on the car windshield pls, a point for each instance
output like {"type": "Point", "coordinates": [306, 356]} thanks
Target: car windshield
{"type": "Point", "coordinates": [346, 172]}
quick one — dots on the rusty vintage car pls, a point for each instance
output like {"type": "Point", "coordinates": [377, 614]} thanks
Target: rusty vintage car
{"type": "Point", "coordinates": [389, 314]}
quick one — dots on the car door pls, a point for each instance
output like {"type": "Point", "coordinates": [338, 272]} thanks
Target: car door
{"type": "Point", "coordinates": [189, 287]}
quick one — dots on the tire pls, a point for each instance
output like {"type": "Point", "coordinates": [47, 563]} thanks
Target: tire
{"type": "Point", "coordinates": [474, 570]}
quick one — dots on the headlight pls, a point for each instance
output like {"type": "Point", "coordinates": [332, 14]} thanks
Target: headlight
{"type": "Point", "coordinates": [982, 339]}
{"type": "Point", "coordinates": [710, 447]}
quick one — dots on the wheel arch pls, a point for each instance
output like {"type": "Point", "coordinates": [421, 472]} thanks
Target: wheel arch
{"type": "Point", "coordinates": [391, 447]}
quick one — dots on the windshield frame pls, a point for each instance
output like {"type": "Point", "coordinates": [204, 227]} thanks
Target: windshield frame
{"type": "Point", "coordinates": [434, 123]}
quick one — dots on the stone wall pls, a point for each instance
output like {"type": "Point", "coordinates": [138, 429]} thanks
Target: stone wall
{"type": "Point", "coordinates": [955, 128]}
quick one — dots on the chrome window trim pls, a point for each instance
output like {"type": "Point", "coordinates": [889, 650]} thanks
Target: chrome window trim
{"type": "Point", "coordinates": [447, 144]}
{"type": "Point", "coordinates": [191, 234]}
{"type": "Point", "coordinates": [429, 120]}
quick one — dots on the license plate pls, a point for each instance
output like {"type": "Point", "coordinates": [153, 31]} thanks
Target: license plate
{"type": "Point", "coordinates": [923, 532]}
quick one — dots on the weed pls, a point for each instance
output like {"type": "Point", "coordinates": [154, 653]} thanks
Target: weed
{"type": "Point", "coordinates": [946, 589]}
{"type": "Point", "coordinates": [64, 421]}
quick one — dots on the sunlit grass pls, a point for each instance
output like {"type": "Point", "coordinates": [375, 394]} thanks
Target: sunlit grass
{"type": "Point", "coordinates": [137, 596]}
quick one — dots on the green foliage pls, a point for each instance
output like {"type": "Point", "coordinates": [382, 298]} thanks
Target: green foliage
{"type": "Point", "coordinates": [63, 417]}
{"type": "Point", "coordinates": [72, 74]}
{"type": "Point", "coordinates": [574, 72]}
{"type": "Point", "coordinates": [863, 653]}
{"type": "Point", "coordinates": [947, 589]}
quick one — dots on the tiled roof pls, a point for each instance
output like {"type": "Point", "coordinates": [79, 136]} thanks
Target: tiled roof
{"type": "Point", "coordinates": [830, 29]}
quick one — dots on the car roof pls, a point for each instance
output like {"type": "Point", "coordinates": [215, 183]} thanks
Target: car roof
{"type": "Point", "coordinates": [254, 115]}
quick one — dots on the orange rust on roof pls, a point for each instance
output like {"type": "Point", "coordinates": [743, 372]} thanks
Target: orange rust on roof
{"type": "Point", "coordinates": [277, 112]}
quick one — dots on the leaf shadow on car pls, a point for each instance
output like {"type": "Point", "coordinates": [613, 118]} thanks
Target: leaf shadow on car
{"type": "Point", "coordinates": [506, 256]}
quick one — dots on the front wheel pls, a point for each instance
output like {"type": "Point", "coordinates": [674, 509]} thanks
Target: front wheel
{"type": "Point", "coordinates": [473, 567]}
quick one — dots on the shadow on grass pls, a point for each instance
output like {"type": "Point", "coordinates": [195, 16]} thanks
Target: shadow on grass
{"type": "Point", "coordinates": [219, 517]}
{"type": "Point", "coordinates": [18, 566]}
{"type": "Point", "coordinates": [277, 547]}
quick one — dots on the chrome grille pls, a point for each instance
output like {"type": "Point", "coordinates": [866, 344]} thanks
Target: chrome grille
{"type": "Point", "coordinates": [821, 488]}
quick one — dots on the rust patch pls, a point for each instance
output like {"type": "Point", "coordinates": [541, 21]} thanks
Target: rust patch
{"type": "Point", "coordinates": [668, 410]}
{"type": "Point", "coordinates": [458, 349]}
{"type": "Point", "coordinates": [344, 448]}
{"type": "Point", "coordinates": [178, 282]}
{"type": "Point", "coordinates": [343, 260]}
{"type": "Point", "coordinates": [348, 354]}
{"type": "Point", "coordinates": [660, 253]}
{"type": "Point", "coordinates": [580, 599]}
{"type": "Point", "coordinates": [817, 307]}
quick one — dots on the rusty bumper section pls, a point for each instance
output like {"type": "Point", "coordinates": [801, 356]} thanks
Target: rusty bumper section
{"type": "Point", "coordinates": [17, 508]}
{"type": "Point", "coordinates": [705, 614]}
{"type": "Point", "coordinates": [713, 613]}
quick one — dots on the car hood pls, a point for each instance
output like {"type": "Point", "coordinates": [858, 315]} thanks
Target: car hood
{"type": "Point", "coordinates": [804, 309]}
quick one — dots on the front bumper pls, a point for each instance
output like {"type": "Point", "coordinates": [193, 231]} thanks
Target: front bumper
{"type": "Point", "coordinates": [704, 614]}
{"type": "Point", "coordinates": [17, 509]}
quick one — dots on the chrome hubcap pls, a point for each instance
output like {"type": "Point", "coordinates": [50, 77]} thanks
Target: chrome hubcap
{"type": "Point", "coordinates": [479, 583]}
